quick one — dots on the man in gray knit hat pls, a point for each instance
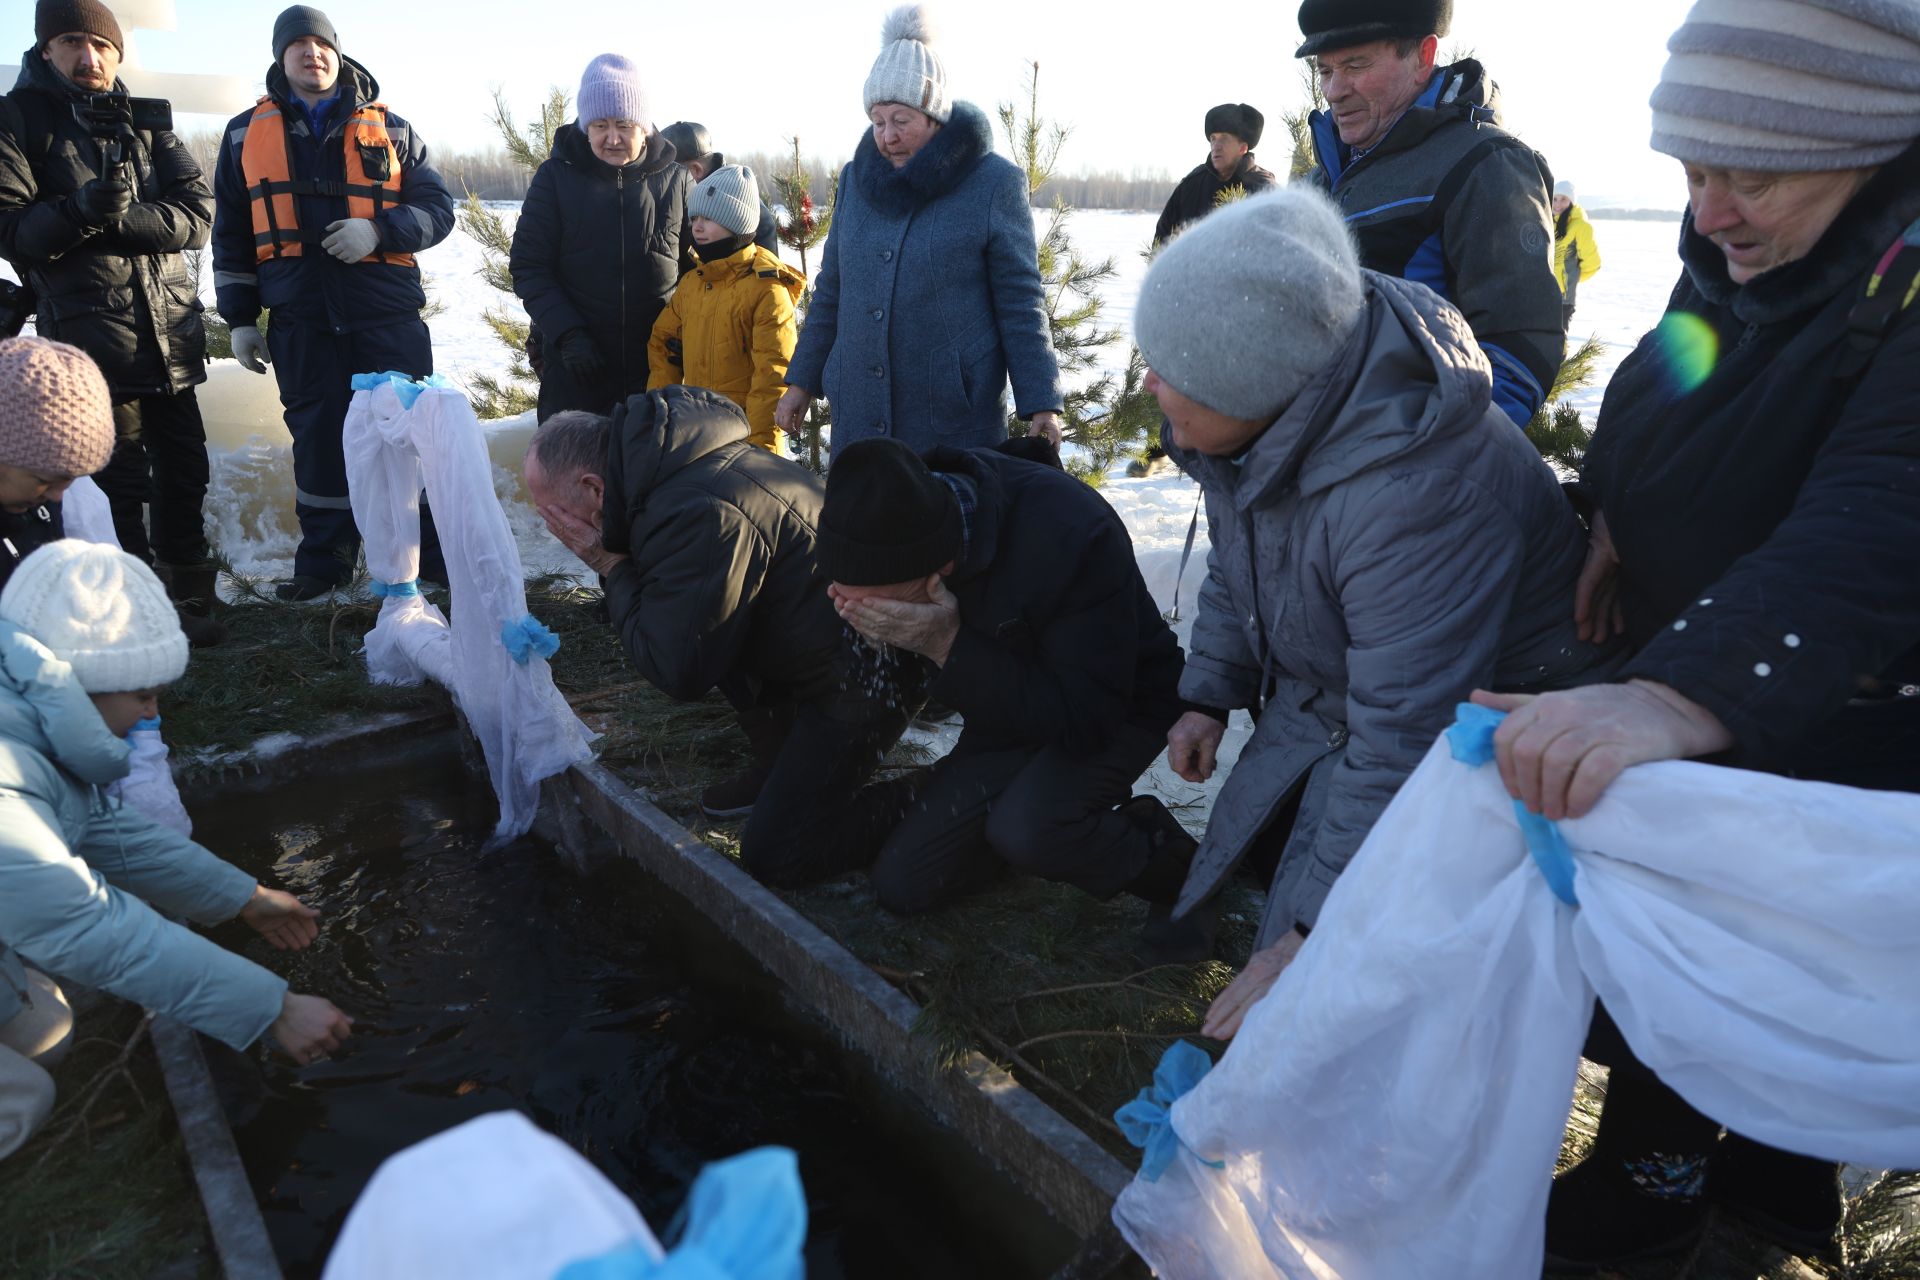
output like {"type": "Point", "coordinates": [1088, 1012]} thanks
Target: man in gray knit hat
{"type": "Point", "coordinates": [1361, 485]}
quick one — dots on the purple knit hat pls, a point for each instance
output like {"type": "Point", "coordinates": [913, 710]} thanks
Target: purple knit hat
{"type": "Point", "coordinates": [56, 416]}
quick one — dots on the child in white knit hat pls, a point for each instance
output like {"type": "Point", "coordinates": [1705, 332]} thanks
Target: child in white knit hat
{"type": "Point", "coordinates": [88, 638]}
{"type": "Point", "coordinates": [730, 324]}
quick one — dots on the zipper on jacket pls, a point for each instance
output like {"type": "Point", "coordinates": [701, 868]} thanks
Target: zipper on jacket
{"type": "Point", "coordinates": [620, 190]}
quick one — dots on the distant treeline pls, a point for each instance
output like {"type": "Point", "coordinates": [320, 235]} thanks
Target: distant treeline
{"type": "Point", "coordinates": [492, 175]}
{"type": "Point", "coordinates": [1636, 215]}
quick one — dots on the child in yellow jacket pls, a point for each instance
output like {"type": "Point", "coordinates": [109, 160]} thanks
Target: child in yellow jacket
{"type": "Point", "coordinates": [730, 324]}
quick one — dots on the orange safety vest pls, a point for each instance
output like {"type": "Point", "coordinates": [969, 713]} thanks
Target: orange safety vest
{"type": "Point", "coordinates": [372, 181]}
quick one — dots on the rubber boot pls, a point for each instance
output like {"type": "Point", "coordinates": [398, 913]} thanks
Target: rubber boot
{"type": "Point", "coordinates": [766, 729]}
{"type": "Point", "coordinates": [1641, 1191]}
{"type": "Point", "coordinates": [1164, 940]}
{"type": "Point", "coordinates": [1792, 1200]}
{"type": "Point", "coordinates": [191, 587]}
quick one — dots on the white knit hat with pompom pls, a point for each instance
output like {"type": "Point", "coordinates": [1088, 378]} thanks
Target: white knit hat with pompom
{"type": "Point", "coordinates": [100, 611]}
{"type": "Point", "coordinates": [908, 70]}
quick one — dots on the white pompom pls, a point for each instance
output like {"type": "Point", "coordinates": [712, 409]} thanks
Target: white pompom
{"type": "Point", "coordinates": [908, 22]}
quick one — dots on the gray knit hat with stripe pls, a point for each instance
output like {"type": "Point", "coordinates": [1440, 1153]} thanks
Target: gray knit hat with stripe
{"type": "Point", "coordinates": [730, 196]}
{"type": "Point", "coordinates": [1789, 86]}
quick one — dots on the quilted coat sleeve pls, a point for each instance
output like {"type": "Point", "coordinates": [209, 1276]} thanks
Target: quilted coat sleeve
{"type": "Point", "coordinates": [1425, 575]}
{"type": "Point", "coordinates": [774, 334]}
{"type": "Point", "coordinates": [666, 364]}
{"type": "Point", "coordinates": [59, 914]}
{"type": "Point", "coordinates": [177, 214]}
{"type": "Point", "coordinates": [236, 279]}
{"type": "Point", "coordinates": [1222, 671]}
{"type": "Point", "coordinates": [33, 231]}
{"type": "Point", "coordinates": [815, 343]}
{"type": "Point", "coordinates": [534, 261]}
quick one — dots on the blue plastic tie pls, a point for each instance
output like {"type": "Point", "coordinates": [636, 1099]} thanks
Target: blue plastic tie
{"type": "Point", "coordinates": [746, 1219]}
{"type": "Point", "coordinates": [526, 638]}
{"type": "Point", "coordinates": [1471, 741]}
{"type": "Point", "coordinates": [151, 722]}
{"type": "Point", "coordinates": [1147, 1121]}
{"type": "Point", "coordinates": [408, 389]}
{"type": "Point", "coordinates": [389, 589]}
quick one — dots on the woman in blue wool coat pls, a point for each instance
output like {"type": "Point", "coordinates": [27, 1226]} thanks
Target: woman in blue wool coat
{"type": "Point", "coordinates": [929, 297]}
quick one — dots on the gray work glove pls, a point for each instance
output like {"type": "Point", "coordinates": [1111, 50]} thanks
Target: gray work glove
{"type": "Point", "coordinates": [250, 349]}
{"type": "Point", "coordinates": [351, 239]}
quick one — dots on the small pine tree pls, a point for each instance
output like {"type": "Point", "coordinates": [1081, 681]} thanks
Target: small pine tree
{"type": "Point", "coordinates": [503, 397]}
{"type": "Point", "coordinates": [1070, 284]}
{"type": "Point", "coordinates": [1299, 123]}
{"type": "Point", "coordinates": [1556, 429]}
{"type": "Point", "coordinates": [805, 228]}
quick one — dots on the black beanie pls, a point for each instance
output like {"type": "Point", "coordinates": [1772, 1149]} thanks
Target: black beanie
{"type": "Point", "coordinates": [1238, 119]}
{"type": "Point", "coordinates": [1340, 24]}
{"type": "Point", "coordinates": [302, 20]}
{"type": "Point", "coordinates": [52, 18]}
{"type": "Point", "coordinates": [886, 519]}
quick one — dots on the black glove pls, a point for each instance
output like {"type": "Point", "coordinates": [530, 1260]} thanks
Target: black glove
{"type": "Point", "coordinates": [536, 351]}
{"type": "Point", "coordinates": [102, 200]}
{"type": "Point", "coordinates": [580, 355]}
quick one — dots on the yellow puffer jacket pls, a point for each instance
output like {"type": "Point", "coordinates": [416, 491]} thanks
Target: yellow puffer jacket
{"type": "Point", "coordinates": [1579, 242]}
{"type": "Point", "coordinates": [730, 328]}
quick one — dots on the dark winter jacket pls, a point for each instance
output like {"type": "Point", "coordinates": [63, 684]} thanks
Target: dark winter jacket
{"type": "Point", "coordinates": [929, 297]}
{"type": "Point", "coordinates": [1200, 193]}
{"type": "Point", "coordinates": [1453, 201]}
{"type": "Point", "coordinates": [122, 294]}
{"type": "Point", "coordinates": [316, 288]}
{"type": "Point", "coordinates": [1767, 511]}
{"type": "Point", "coordinates": [600, 248]}
{"type": "Point", "coordinates": [24, 532]}
{"type": "Point", "coordinates": [1060, 641]}
{"type": "Point", "coordinates": [1389, 544]}
{"type": "Point", "coordinates": [722, 575]}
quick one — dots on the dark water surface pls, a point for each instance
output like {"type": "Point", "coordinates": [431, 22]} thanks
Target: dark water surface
{"type": "Point", "coordinates": [591, 1003]}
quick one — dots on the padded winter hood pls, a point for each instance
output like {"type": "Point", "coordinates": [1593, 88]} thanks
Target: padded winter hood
{"type": "Point", "coordinates": [655, 435]}
{"type": "Point", "coordinates": [356, 87]}
{"type": "Point", "coordinates": [44, 712]}
{"type": "Point", "coordinates": [1411, 375]}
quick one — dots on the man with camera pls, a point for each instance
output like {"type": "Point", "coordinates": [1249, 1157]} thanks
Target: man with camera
{"type": "Point", "coordinates": [322, 198]}
{"type": "Point", "coordinates": [98, 201]}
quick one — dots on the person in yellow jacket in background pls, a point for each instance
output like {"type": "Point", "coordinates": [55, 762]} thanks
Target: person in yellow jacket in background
{"type": "Point", "coordinates": [1576, 256]}
{"type": "Point", "coordinates": [730, 325]}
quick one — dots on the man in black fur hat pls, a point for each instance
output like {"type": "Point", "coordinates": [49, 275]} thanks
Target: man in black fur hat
{"type": "Point", "coordinates": [1228, 173]}
{"type": "Point", "coordinates": [1434, 190]}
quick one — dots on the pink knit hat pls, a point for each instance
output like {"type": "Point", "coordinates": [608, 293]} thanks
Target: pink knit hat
{"type": "Point", "coordinates": [56, 416]}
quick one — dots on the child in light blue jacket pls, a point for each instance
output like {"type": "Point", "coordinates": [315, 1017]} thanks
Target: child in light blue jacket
{"type": "Point", "coordinates": [87, 640]}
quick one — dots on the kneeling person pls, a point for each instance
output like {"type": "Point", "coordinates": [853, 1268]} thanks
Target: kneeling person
{"type": "Point", "coordinates": [1016, 588]}
{"type": "Point", "coordinates": [707, 548]}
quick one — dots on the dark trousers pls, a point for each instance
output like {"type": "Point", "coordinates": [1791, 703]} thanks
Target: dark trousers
{"type": "Point", "coordinates": [158, 471]}
{"type": "Point", "coordinates": [617, 380]}
{"type": "Point", "coordinates": [813, 820]}
{"type": "Point", "coordinates": [315, 368]}
{"type": "Point", "coordinates": [1041, 811]}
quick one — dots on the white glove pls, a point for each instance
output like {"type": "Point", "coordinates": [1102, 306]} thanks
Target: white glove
{"type": "Point", "coordinates": [250, 349]}
{"type": "Point", "coordinates": [351, 239]}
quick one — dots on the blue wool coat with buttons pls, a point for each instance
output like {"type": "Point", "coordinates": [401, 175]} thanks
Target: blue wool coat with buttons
{"type": "Point", "coordinates": [929, 299]}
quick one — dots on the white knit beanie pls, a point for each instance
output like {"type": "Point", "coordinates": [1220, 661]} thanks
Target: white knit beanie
{"type": "Point", "coordinates": [729, 196]}
{"type": "Point", "coordinates": [908, 70]}
{"type": "Point", "coordinates": [1564, 187]}
{"type": "Point", "coordinates": [1241, 310]}
{"type": "Point", "coordinates": [100, 611]}
{"type": "Point", "coordinates": [1791, 86]}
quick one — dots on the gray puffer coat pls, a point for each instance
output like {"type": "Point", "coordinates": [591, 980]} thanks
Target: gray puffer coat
{"type": "Point", "coordinates": [1390, 543]}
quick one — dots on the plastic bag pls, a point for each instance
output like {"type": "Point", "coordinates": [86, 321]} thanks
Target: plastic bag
{"type": "Point", "coordinates": [399, 433]}
{"type": "Point", "coordinates": [1395, 1105]}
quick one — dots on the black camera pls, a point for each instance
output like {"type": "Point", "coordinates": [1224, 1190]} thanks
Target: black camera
{"type": "Point", "coordinates": [108, 115]}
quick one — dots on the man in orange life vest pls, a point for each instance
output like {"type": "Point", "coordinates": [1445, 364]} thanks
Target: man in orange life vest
{"type": "Point", "coordinates": [322, 197]}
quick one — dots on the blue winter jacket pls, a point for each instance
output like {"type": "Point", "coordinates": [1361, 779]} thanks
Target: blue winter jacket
{"type": "Point", "coordinates": [929, 298]}
{"type": "Point", "coordinates": [72, 861]}
{"type": "Point", "coordinates": [315, 288]}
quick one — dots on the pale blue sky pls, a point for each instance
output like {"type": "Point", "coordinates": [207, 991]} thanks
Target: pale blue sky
{"type": "Point", "coordinates": [1132, 79]}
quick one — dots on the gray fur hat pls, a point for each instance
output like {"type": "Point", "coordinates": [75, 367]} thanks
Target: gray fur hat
{"type": "Point", "coordinates": [1242, 309]}
{"type": "Point", "coordinates": [1788, 86]}
{"type": "Point", "coordinates": [908, 70]}
{"type": "Point", "coordinates": [730, 196]}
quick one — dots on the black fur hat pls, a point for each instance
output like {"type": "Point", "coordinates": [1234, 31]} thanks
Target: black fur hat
{"type": "Point", "coordinates": [1341, 24]}
{"type": "Point", "coordinates": [1238, 119]}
